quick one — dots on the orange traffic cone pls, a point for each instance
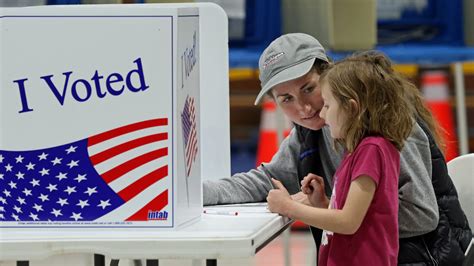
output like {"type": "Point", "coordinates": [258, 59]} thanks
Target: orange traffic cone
{"type": "Point", "coordinates": [434, 85]}
{"type": "Point", "coordinates": [268, 138]}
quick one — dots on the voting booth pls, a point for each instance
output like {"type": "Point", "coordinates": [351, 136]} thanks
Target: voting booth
{"type": "Point", "coordinates": [100, 117]}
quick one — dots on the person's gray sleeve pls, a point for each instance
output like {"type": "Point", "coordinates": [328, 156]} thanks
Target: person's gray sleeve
{"type": "Point", "coordinates": [418, 209]}
{"type": "Point", "coordinates": [253, 186]}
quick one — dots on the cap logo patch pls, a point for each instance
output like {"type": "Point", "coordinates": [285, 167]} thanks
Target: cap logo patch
{"type": "Point", "coordinates": [272, 59]}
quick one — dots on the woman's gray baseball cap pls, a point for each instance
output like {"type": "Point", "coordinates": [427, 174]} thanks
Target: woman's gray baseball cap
{"type": "Point", "coordinates": [288, 57]}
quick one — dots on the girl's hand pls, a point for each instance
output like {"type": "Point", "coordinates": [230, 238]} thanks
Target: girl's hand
{"type": "Point", "coordinates": [279, 199]}
{"type": "Point", "coordinates": [313, 186]}
{"type": "Point", "coordinates": [301, 198]}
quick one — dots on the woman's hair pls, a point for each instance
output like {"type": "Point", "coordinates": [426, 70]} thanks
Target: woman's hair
{"type": "Point", "coordinates": [320, 66]}
{"type": "Point", "coordinates": [382, 107]}
{"type": "Point", "coordinates": [421, 111]}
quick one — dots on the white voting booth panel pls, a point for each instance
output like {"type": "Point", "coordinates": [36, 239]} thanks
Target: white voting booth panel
{"type": "Point", "coordinates": [99, 117]}
{"type": "Point", "coordinates": [46, 247]}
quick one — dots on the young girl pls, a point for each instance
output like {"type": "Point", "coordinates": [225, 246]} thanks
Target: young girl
{"type": "Point", "coordinates": [368, 115]}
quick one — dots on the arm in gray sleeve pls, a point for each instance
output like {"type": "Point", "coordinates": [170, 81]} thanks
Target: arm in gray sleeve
{"type": "Point", "coordinates": [254, 185]}
{"type": "Point", "coordinates": [418, 209]}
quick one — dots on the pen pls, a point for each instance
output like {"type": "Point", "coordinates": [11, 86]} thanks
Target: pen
{"type": "Point", "coordinates": [267, 173]}
{"type": "Point", "coordinates": [231, 213]}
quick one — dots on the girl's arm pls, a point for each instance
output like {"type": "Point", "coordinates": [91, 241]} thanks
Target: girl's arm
{"type": "Point", "coordinates": [345, 221]}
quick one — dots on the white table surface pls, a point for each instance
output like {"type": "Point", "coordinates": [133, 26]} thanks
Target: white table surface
{"type": "Point", "coordinates": [213, 237]}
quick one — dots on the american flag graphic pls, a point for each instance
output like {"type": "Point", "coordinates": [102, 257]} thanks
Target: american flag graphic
{"type": "Point", "coordinates": [117, 175]}
{"type": "Point", "coordinates": [188, 118]}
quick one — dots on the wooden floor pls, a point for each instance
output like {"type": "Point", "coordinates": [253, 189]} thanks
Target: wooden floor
{"type": "Point", "coordinates": [301, 252]}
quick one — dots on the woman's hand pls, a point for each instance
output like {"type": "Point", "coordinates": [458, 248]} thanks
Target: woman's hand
{"type": "Point", "coordinates": [313, 186]}
{"type": "Point", "coordinates": [279, 200]}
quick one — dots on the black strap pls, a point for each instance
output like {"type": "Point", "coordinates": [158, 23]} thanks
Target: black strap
{"type": "Point", "coordinates": [310, 162]}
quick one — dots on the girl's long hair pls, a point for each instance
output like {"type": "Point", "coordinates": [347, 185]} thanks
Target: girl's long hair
{"type": "Point", "coordinates": [382, 108]}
